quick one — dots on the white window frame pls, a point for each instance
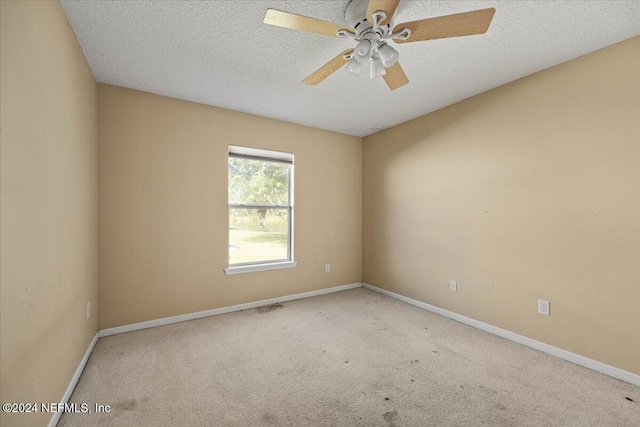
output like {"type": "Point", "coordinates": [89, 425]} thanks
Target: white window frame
{"type": "Point", "coordinates": [271, 156]}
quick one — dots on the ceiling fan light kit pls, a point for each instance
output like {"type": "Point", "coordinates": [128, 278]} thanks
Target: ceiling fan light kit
{"type": "Point", "coordinates": [372, 47]}
{"type": "Point", "coordinates": [376, 69]}
{"type": "Point", "coordinates": [388, 55]}
{"type": "Point", "coordinates": [370, 23]}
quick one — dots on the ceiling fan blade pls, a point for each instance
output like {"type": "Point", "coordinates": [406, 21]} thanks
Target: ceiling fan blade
{"type": "Point", "coordinates": [395, 76]}
{"type": "Point", "coordinates": [460, 24]}
{"type": "Point", "coordinates": [387, 6]}
{"type": "Point", "coordinates": [327, 69]}
{"type": "Point", "coordinates": [302, 23]}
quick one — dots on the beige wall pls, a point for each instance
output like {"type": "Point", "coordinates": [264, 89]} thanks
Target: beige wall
{"type": "Point", "coordinates": [529, 191]}
{"type": "Point", "coordinates": [163, 206]}
{"type": "Point", "coordinates": [48, 227]}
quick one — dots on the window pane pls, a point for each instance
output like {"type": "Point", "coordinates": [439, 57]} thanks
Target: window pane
{"type": "Point", "coordinates": [258, 235]}
{"type": "Point", "coordinates": [258, 182]}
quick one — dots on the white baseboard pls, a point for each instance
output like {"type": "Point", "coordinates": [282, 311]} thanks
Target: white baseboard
{"type": "Point", "coordinates": [74, 381]}
{"type": "Point", "coordinates": [221, 310]}
{"type": "Point", "coordinates": [520, 339]}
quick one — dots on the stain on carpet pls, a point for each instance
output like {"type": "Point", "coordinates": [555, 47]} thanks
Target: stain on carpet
{"type": "Point", "coordinates": [269, 418]}
{"type": "Point", "coordinates": [268, 308]}
{"type": "Point", "coordinates": [390, 417]}
{"type": "Point", "coordinates": [126, 405]}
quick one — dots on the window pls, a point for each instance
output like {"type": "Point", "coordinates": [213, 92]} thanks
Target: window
{"type": "Point", "coordinates": [260, 210]}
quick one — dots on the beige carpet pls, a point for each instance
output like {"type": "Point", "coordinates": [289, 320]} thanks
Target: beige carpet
{"type": "Point", "coordinates": [354, 358]}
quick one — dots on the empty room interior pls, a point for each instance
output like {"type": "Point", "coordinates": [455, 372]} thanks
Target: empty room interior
{"type": "Point", "coordinates": [320, 213]}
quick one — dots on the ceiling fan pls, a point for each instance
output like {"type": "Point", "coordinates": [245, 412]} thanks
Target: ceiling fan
{"type": "Point", "coordinates": [371, 25]}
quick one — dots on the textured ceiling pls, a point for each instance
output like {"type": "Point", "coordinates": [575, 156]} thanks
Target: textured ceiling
{"type": "Point", "coordinates": [220, 53]}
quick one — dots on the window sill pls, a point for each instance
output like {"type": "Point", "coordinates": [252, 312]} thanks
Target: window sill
{"type": "Point", "coordinates": [260, 267]}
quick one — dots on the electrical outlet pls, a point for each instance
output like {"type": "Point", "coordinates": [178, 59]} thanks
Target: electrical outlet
{"type": "Point", "coordinates": [543, 307]}
{"type": "Point", "coordinates": [453, 285]}
{"type": "Point", "coordinates": [88, 310]}
{"type": "Point", "coordinates": [327, 268]}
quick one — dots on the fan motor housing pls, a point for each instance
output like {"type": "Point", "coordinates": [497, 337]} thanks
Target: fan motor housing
{"type": "Point", "coordinates": [356, 16]}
